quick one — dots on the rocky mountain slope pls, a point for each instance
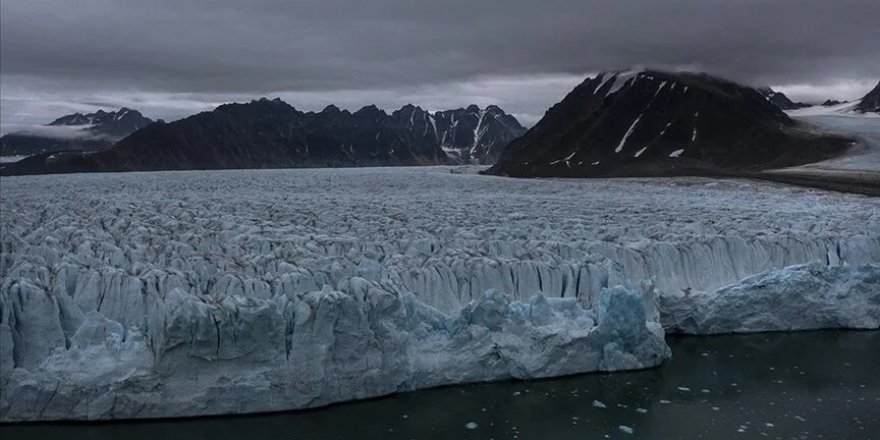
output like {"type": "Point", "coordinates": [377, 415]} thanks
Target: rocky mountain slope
{"type": "Point", "coordinates": [78, 132]}
{"type": "Point", "coordinates": [472, 135]}
{"type": "Point", "coordinates": [652, 123]}
{"type": "Point", "coordinates": [871, 101]}
{"type": "Point", "coordinates": [780, 100]}
{"type": "Point", "coordinates": [272, 134]}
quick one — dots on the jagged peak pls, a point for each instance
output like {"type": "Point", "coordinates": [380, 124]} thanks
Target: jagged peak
{"type": "Point", "coordinates": [267, 100]}
{"type": "Point", "coordinates": [97, 117]}
{"type": "Point", "coordinates": [409, 108]}
{"type": "Point", "coordinates": [369, 110]}
{"type": "Point", "coordinates": [263, 103]}
{"type": "Point", "coordinates": [871, 101]}
{"type": "Point", "coordinates": [492, 108]}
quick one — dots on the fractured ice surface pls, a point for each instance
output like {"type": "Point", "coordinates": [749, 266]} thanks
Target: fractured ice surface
{"type": "Point", "coordinates": [240, 354]}
{"type": "Point", "coordinates": [187, 293]}
{"type": "Point", "coordinates": [807, 297]}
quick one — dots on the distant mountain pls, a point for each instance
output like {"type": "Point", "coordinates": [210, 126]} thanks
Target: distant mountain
{"type": "Point", "coordinates": [652, 123]}
{"type": "Point", "coordinates": [76, 132]}
{"type": "Point", "coordinates": [832, 103]}
{"type": "Point", "coordinates": [871, 101]}
{"type": "Point", "coordinates": [467, 135]}
{"type": "Point", "coordinates": [780, 100]}
{"type": "Point", "coordinates": [472, 135]}
{"type": "Point", "coordinates": [272, 134]}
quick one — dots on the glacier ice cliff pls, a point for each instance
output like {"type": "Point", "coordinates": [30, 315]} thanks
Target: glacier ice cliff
{"type": "Point", "coordinates": [195, 356]}
{"type": "Point", "coordinates": [194, 293]}
{"type": "Point", "coordinates": [806, 297]}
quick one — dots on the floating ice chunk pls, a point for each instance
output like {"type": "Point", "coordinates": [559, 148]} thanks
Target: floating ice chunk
{"type": "Point", "coordinates": [599, 404]}
{"type": "Point", "coordinates": [625, 429]}
{"type": "Point", "coordinates": [676, 153]}
{"type": "Point", "coordinates": [471, 425]}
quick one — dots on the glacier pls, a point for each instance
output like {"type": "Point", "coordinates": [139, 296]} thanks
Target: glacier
{"type": "Point", "coordinates": [195, 293]}
{"type": "Point", "coordinates": [805, 297]}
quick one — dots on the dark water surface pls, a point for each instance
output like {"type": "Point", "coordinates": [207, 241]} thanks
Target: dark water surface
{"type": "Point", "coordinates": [815, 385]}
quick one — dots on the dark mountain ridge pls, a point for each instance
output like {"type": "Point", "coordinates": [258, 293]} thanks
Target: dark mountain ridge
{"type": "Point", "coordinates": [653, 123]}
{"type": "Point", "coordinates": [87, 132]}
{"type": "Point", "coordinates": [272, 134]}
{"type": "Point", "coordinates": [780, 100]}
{"type": "Point", "coordinates": [871, 101]}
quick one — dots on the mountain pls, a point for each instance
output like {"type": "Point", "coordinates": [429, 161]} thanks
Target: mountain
{"type": "Point", "coordinates": [272, 134]}
{"type": "Point", "coordinates": [780, 100]}
{"type": "Point", "coordinates": [466, 135]}
{"type": "Point", "coordinates": [871, 101]}
{"type": "Point", "coordinates": [76, 132]}
{"type": "Point", "coordinates": [659, 123]}
{"type": "Point", "coordinates": [472, 135]}
{"type": "Point", "coordinates": [831, 103]}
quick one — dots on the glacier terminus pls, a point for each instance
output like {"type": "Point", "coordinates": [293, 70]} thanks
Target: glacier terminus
{"type": "Point", "coordinates": [165, 294]}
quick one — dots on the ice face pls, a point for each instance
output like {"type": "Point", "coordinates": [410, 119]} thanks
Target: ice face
{"type": "Point", "coordinates": [197, 356]}
{"type": "Point", "coordinates": [191, 293]}
{"type": "Point", "coordinates": [807, 297]}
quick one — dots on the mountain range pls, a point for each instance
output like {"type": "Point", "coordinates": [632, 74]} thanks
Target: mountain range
{"type": "Point", "coordinates": [640, 123]}
{"type": "Point", "coordinates": [75, 132]}
{"type": "Point", "coordinates": [268, 133]}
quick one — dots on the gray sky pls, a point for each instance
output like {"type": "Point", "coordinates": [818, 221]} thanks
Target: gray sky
{"type": "Point", "coordinates": [172, 58]}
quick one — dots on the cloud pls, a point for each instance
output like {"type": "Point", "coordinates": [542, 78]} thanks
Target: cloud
{"type": "Point", "coordinates": [818, 93]}
{"type": "Point", "coordinates": [55, 132]}
{"type": "Point", "coordinates": [386, 49]}
{"type": "Point", "coordinates": [524, 96]}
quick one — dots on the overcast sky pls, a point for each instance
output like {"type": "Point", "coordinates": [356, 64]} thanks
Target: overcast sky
{"type": "Point", "coordinates": [172, 58]}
